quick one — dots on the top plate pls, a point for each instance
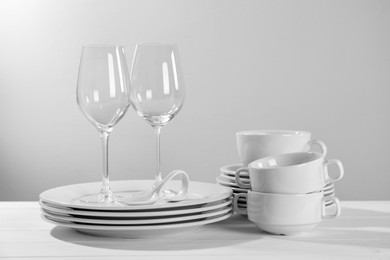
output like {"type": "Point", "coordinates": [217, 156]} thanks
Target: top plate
{"type": "Point", "coordinates": [69, 196]}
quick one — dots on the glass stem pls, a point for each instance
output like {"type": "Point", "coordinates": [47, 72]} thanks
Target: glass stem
{"type": "Point", "coordinates": [158, 179]}
{"type": "Point", "coordinates": [106, 194]}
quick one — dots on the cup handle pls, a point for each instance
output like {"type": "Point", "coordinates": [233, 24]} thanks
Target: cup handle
{"type": "Point", "coordinates": [235, 201]}
{"type": "Point", "coordinates": [337, 205]}
{"type": "Point", "coordinates": [185, 183]}
{"type": "Point", "coordinates": [319, 143]}
{"type": "Point", "coordinates": [238, 180]}
{"type": "Point", "coordinates": [329, 179]}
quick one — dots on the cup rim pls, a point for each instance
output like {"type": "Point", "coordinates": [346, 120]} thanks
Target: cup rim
{"type": "Point", "coordinates": [314, 193]}
{"type": "Point", "coordinates": [316, 156]}
{"type": "Point", "coordinates": [273, 132]}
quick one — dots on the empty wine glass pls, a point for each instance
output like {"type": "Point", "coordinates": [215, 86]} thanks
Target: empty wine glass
{"type": "Point", "coordinates": [157, 88]}
{"type": "Point", "coordinates": [103, 97]}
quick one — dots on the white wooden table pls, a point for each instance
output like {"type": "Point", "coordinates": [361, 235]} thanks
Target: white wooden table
{"type": "Point", "coordinates": [362, 232]}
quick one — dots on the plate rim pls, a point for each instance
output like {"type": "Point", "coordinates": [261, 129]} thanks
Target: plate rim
{"type": "Point", "coordinates": [139, 228]}
{"type": "Point", "coordinates": [225, 192]}
{"type": "Point", "coordinates": [231, 179]}
{"type": "Point", "coordinates": [143, 221]}
{"type": "Point", "coordinates": [91, 213]}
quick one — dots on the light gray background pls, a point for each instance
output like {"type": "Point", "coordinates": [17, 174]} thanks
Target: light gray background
{"type": "Point", "coordinates": [321, 66]}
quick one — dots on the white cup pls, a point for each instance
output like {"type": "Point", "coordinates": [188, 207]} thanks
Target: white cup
{"type": "Point", "coordinates": [256, 144]}
{"type": "Point", "coordinates": [290, 173]}
{"type": "Point", "coordinates": [286, 214]}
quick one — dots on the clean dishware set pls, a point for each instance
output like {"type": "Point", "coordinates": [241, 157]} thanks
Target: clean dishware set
{"type": "Point", "coordinates": [136, 208]}
{"type": "Point", "coordinates": [104, 95]}
{"type": "Point", "coordinates": [282, 185]}
{"type": "Point", "coordinates": [205, 203]}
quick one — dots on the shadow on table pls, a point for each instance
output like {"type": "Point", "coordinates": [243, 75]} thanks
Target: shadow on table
{"type": "Point", "coordinates": [234, 230]}
{"type": "Point", "coordinates": [355, 227]}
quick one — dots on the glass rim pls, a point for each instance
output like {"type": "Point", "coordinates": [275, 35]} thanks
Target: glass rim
{"type": "Point", "coordinates": [102, 46]}
{"type": "Point", "coordinates": [156, 44]}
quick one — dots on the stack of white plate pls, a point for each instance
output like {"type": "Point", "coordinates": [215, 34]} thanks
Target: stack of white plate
{"type": "Point", "coordinates": [226, 178]}
{"type": "Point", "coordinates": [206, 203]}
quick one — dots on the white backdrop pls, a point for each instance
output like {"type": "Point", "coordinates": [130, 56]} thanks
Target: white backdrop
{"type": "Point", "coordinates": [321, 66]}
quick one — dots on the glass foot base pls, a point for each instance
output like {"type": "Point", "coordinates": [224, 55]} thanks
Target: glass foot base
{"type": "Point", "coordinates": [99, 199]}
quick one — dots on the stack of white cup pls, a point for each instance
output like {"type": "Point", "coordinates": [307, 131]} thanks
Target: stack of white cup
{"type": "Point", "coordinates": [287, 181]}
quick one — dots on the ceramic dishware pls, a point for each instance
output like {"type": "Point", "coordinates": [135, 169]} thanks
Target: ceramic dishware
{"type": "Point", "coordinates": [256, 144]}
{"type": "Point", "coordinates": [230, 170]}
{"type": "Point", "coordinates": [293, 173]}
{"type": "Point", "coordinates": [205, 203]}
{"type": "Point", "coordinates": [286, 214]}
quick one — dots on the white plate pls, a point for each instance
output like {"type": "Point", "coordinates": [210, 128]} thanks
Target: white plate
{"type": "Point", "coordinates": [329, 202]}
{"type": "Point", "coordinates": [226, 183]}
{"type": "Point", "coordinates": [135, 221]}
{"type": "Point", "coordinates": [69, 196]}
{"type": "Point", "coordinates": [329, 186]}
{"type": "Point", "coordinates": [241, 202]}
{"type": "Point", "coordinates": [230, 179]}
{"type": "Point", "coordinates": [239, 190]}
{"type": "Point", "coordinates": [126, 231]}
{"type": "Point", "coordinates": [134, 214]}
{"type": "Point", "coordinates": [242, 206]}
{"type": "Point", "coordinates": [328, 192]}
{"type": "Point", "coordinates": [230, 170]}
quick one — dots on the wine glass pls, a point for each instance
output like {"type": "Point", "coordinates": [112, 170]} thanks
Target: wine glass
{"type": "Point", "coordinates": [157, 88]}
{"type": "Point", "coordinates": [103, 97]}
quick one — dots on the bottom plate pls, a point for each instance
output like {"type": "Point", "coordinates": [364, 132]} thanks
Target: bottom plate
{"type": "Point", "coordinates": [127, 231]}
{"type": "Point", "coordinates": [135, 221]}
{"type": "Point", "coordinates": [140, 214]}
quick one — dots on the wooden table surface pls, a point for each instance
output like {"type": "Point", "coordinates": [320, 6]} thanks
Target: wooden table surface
{"type": "Point", "coordinates": [361, 232]}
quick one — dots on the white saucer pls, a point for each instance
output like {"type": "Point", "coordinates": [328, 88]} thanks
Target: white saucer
{"type": "Point", "coordinates": [228, 178]}
{"type": "Point", "coordinates": [230, 170]}
{"type": "Point", "coordinates": [329, 185]}
{"type": "Point", "coordinates": [329, 192]}
{"type": "Point", "coordinates": [226, 183]}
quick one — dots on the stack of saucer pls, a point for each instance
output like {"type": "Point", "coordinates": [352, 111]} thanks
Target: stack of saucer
{"type": "Point", "coordinates": [253, 145]}
{"type": "Point", "coordinates": [329, 191]}
{"type": "Point", "coordinates": [227, 178]}
{"type": "Point", "coordinates": [205, 203]}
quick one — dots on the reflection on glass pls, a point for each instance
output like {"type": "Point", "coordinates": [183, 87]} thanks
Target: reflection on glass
{"type": "Point", "coordinates": [157, 87]}
{"type": "Point", "coordinates": [103, 79]}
